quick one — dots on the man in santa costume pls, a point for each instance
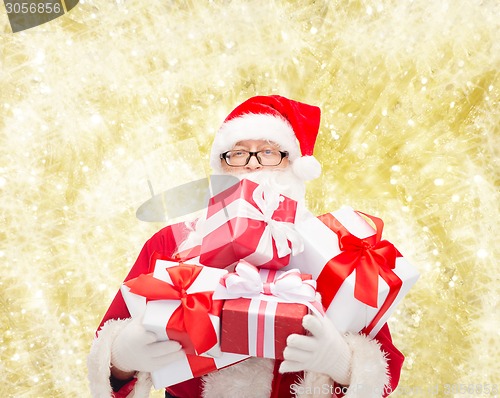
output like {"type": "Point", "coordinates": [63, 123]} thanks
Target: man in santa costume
{"type": "Point", "coordinates": [269, 139]}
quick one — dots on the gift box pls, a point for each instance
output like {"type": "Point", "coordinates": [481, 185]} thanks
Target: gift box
{"type": "Point", "coordinates": [259, 328]}
{"type": "Point", "coordinates": [262, 308]}
{"type": "Point", "coordinates": [360, 277]}
{"type": "Point", "coordinates": [189, 280]}
{"type": "Point", "coordinates": [191, 366]}
{"type": "Point", "coordinates": [248, 221]}
{"type": "Point", "coordinates": [180, 233]}
{"type": "Point", "coordinates": [176, 303]}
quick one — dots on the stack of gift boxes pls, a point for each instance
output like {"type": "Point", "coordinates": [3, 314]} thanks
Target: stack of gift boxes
{"type": "Point", "coordinates": [257, 273]}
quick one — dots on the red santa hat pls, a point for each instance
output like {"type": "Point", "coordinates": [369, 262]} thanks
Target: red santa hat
{"type": "Point", "coordinates": [292, 125]}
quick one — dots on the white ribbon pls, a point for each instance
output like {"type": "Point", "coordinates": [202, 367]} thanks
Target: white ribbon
{"type": "Point", "coordinates": [287, 287]}
{"type": "Point", "coordinates": [281, 232]}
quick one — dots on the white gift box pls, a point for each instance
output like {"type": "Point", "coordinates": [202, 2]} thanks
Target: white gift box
{"type": "Point", "coordinates": [321, 244]}
{"type": "Point", "coordinates": [192, 366]}
{"type": "Point", "coordinates": [156, 315]}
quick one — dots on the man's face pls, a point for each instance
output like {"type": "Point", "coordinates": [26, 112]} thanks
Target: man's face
{"type": "Point", "coordinates": [253, 164]}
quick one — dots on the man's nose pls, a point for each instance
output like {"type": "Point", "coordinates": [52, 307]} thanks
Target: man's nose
{"type": "Point", "coordinates": [253, 163]}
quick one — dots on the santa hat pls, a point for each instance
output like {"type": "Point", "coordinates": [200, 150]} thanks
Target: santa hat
{"type": "Point", "coordinates": [290, 124]}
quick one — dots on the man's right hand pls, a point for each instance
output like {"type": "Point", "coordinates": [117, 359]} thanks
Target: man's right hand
{"type": "Point", "coordinates": [136, 349]}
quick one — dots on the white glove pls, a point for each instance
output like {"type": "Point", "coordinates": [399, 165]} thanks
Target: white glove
{"type": "Point", "coordinates": [136, 349]}
{"type": "Point", "coordinates": [324, 351]}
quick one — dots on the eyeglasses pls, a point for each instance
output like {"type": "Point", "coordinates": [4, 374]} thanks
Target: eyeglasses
{"type": "Point", "coordinates": [240, 158]}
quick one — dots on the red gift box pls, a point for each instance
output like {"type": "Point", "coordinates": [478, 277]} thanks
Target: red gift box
{"type": "Point", "coordinates": [262, 308]}
{"type": "Point", "coordinates": [259, 328]}
{"type": "Point", "coordinates": [248, 221]}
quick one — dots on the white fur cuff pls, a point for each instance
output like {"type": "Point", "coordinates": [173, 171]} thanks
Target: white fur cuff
{"type": "Point", "coordinates": [313, 385]}
{"type": "Point", "coordinates": [369, 368]}
{"type": "Point", "coordinates": [99, 363]}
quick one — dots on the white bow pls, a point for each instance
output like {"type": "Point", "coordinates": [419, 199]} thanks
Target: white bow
{"type": "Point", "coordinates": [280, 231]}
{"type": "Point", "coordinates": [249, 281]}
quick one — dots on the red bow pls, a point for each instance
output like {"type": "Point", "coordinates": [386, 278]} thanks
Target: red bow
{"type": "Point", "coordinates": [190, 323]}
{"type": "Point", "coordinates": [370, 257]}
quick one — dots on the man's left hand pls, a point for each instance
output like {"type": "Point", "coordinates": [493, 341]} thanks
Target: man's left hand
{"type": "Point", "coordinates": [323, 351]}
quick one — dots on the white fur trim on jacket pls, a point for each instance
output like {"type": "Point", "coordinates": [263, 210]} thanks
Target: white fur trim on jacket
{"type": "Point", "coordinates": [99, 362]}
{"type": "Point", "coordinates": [314, 385]}
{"type": "Point", "coordinates": [248, 379]}
{"type": "Point", "coordinates": [253, 379]}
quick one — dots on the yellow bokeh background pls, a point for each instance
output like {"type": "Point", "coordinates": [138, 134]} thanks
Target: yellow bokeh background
{"type": "Point", "coordinates": [116, 94]}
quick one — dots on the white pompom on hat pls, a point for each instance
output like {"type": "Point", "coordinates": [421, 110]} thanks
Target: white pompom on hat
{"type": "Point", "coordinates": [292, 125]}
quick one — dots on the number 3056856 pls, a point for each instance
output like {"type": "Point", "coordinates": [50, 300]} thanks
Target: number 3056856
{"type": "Point", "coordinates": [32, 8]}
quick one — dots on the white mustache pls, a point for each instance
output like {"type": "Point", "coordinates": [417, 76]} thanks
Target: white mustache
{"type": "Point", "coordinates": [283, 181]}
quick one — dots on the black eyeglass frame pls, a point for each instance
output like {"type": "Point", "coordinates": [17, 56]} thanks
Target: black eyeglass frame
{"type": "Point", "coordinates": [283, 154]}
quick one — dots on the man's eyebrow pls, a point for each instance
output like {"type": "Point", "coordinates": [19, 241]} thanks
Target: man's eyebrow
{"type": "Point", "coordinates": [268, 145]}
{"type": "Point", "coordinates": [264, 145]}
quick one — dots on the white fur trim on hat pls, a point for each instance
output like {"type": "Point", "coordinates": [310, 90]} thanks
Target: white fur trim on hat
{"type": "Point", "coordinates": [99, 364]}
{"type": "Point", "coordinates": [306, 168]}
{"type": "Point", "coordinates": [254, 126]}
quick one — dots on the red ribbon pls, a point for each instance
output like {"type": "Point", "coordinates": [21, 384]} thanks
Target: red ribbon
{"type": "Point", "coordinates": [190, 323]}
{"type": "Point", "coordinates": [370, 257]}
{"type": "Point", "coordinates": [200, 366]}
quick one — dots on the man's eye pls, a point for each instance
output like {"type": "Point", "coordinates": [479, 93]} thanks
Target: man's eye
{"type": "Point", "coordinates": [238, 153]}
{"type": "Point", "coordinates": [268, 152]}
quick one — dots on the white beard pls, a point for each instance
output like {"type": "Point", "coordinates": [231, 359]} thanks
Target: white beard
{"type": "Point", "coordinates": [282, 181]}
